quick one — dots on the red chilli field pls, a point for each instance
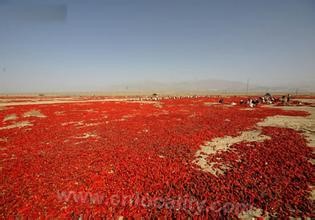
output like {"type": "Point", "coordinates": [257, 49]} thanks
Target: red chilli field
{"type": "Point", "coordinates": [120, 159]}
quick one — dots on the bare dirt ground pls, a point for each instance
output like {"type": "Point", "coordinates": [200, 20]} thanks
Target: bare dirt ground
{"type": "Point", "coordinates": [303, 124]}
{"type": "Point", "coordinates": [33, 113]}
{"type": "Point", "coordinates": [10, 117]}
{"type": "Point", "coordinates": [53, 101]}
{"type": "Point", "coordinates": [306, 125]}
{"type": "Point", "coordinates": [35, 101]}
{"type": "Point", "coordinates": [20, 124]}
{"type": "Point", "coordinates": [306, 100]}
{"type": "Point", "coordinates": [223, 144]}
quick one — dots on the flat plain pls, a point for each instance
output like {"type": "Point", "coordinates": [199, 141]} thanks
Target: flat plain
{"type": "Point", "coordinates": [113, 157]}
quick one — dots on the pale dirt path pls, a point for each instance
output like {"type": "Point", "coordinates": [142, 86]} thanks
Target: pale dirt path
{"type": "Point", "coordinates": [57, 101]}
{"type": "Point", "coordinates": [299, 123]}
{"type": "Point", "coordinates": [223, 144]}
{"type": "Point", "coordinates": [19, 124]}
{"type": "Point", "coordinates": [34, 113]}
{"type": "Point", "coordinates": [303, 124]}
{"type": "Point", "coordinates": [10, 117]}
{"type": "Point", "coordinates": [305, 100]}
{"type": "Point", "coordinates": [48, 102]}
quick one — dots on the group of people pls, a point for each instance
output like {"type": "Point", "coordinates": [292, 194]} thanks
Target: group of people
{"type": "Point", "coordinates": [266, 99]}
{"type": "Point", "coordinates": [156, 97]}
{"type": "Point", "coordinates": [250, 102]}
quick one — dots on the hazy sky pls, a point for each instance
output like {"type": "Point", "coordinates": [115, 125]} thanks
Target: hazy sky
{"type": "Point", "coordinates": [88, 45]}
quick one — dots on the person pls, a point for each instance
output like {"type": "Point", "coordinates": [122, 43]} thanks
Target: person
{"type": "Point", "coordinates": [288, 98]}
{"type": "Point", "coordinates": [251, 103]}
{"type": "Point", "coordinates": [221, 101]}
{"type": "Point", "coordinates": [262, 99]}
{"type": "Point", "coordinates": [283, 99]}
{"type": "Point", "coordinates": [268, 98]}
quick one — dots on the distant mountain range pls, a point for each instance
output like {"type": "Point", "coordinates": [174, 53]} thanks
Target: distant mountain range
{"type": "Point", "coordinates": [200, 85]}
{"type": "Point", "coordinates": [209, 85]}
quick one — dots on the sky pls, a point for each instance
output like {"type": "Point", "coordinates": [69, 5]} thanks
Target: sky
{"type": "Point", "coordinates": [60, 45]}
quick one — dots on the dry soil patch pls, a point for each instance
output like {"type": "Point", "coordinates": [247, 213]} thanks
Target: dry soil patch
{"type": "Point", "coordinates": [19, 124]}
{"type": "Point", "coordinates": [223, 144]}
{"type": "Point", "coordinates": [34, 113]}
{"type": "Point", "coordinates": [10, 117]}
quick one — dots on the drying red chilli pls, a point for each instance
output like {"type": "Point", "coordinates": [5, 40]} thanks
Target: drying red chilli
{"type": "Point", "coordinates": [133, 159]}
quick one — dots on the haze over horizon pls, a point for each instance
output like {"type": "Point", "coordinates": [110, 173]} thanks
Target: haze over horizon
{"type": "Point", "coordinates": [77, 45]}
